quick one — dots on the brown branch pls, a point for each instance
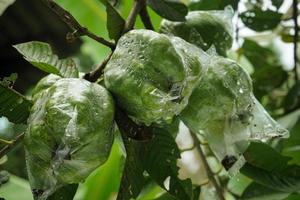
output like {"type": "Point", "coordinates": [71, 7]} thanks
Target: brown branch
{"type": "Point", "coordinates": [94, 75]}
{"type": "Point", "coordinates": [6, 149]}
{"type": "Point", "coordinates": [146, 18]}
{"type": "Point", "coordinates": [74, 25]}
{"type": "Point", "coordinates": [210, 174]}
{"type": "Point", "coordinates": [295, 39]}
{"type": "Point", "coordinates": [138, 4]}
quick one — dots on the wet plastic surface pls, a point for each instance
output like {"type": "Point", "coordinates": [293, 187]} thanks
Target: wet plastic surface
{"type": "Point", "coordinates": [69, 134]}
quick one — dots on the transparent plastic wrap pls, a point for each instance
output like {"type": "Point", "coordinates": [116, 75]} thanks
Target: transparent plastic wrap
{"type": "Point", "coordinates": [204, 29]}
{"type": "Point", "coordinates": [224, 110]}
{"type": "Point", "coordinates": [153, 75]}
{"type": "Point", "coordinates": [44, 84]}
{"type": "Point", "coordinates": [70, 133]}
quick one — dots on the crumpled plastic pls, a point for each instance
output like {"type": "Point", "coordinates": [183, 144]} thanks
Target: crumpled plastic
{"type": "Point", "coordinates": [152, 75]}
{"type": "Point", "coordinates": [70, 134]}
{"type": "Point", "coordinates": [204, 29]}
{"type": "Point", "coordinates": [224, 110]}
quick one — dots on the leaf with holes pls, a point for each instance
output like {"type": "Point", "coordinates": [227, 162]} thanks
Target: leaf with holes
{"type": "Point", "coordinates": [260, 20]}
{"type": "Point", "coordinates": [40, 55]}
{"type": "Point", "coordinates": [14, 106]}
{"type": "Point", "coordinates": [172, 10]}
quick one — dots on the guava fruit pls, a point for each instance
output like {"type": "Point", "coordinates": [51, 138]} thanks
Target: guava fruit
{"type": "Point", "coordinates": [152, 75]}
{"type": "Point", "coordinates": [205, 29]}
{"type": "Point", "coordinates": [224, 110]}
{"type": "Point", "coordinates": [70, 133]}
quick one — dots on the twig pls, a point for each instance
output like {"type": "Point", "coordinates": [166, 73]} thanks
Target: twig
{"type": "Point", "coordinates": [9, 147]}
{"type": "Point", "coordinates": [138, 4]}
{"type": "Point", "coordinates": [295, 40]}
{"type": "Point", "coordinates": [210, 174]}
{"type": "Point", "coordinates": [94, 75]}
{"type": "Point", "coordinates": [146, 18]}
{"type": "Point", "coordinates": [74, 25]}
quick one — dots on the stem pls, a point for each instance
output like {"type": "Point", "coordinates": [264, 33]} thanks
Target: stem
{"type": "Point", "coordinates": [146, 18]}
{"type": "Point", "coordinates": [94, 75]}
{"type": "Point", "coordinates": [210, 174]}
{"type": "Point", "coordinates": [138, 4]}
{"type": "Point", "coordinates": [295, 39]}
{"type": "Point", "coordinates": [6, 149]}
{"type": "Point", "coordinates": [74, 25]}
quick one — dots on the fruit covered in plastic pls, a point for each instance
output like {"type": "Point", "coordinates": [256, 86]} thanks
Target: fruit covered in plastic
{"type": "Point", "coordinates": [204, 29]}
{"type": "Point", "coordinates": [69, 134]}
{"type": "Point", "coordinates": [152, 75]}
{"type": "Point", "coordinates": [224, 110]}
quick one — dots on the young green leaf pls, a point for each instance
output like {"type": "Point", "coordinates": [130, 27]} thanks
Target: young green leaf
{"type": "Point", "coordinates": [260, 20]}
{"type": "Point", "coordinates": [115, 22]}
{"type": "Point", "coordinates": [172, 10]}
{"type": "Point", "coordinates": [14, 106]}
{"type": "Point", "coordinates": [40, 55]}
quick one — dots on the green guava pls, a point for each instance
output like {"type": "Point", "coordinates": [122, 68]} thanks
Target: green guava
{"type": "Point", "coordinates": [70, 133]}
{"type": "Point", "coordinates": [152, 75]}
{"type": "Point", "coordinates": [205, 29]}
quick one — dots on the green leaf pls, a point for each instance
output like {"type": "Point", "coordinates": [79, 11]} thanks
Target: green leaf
{"type": "Point", "coordinates": [160, 161]}
{"type": "Point", "coordinates": [212, 4]}
{"type": "Point", "coordinates": [65, 193]}
{"type": "Point", "coordinates": [268, 73]}
{"type": "Point", "coordinates": [104, 182]}
{"type": "Point", "coordinates": [291, 145]}
{"type": "Point", "coordinates": [291, 100]}
{"type": "Point", "coordinates": [40, 55]}
{"type": "Point", "coordinates": [260, 20]}
{"type": "Point", "coordinates": [172, 10]}
{"type": "Point", "coordinates": [277, 3]}
{"type": "Point", "coordinates": [268, 167]}
{"type": "Point", "coordinates": [16, 188]}
{"type": "Point", "coordinates": [115, 22]}
{"type": "Point", "coordinates": [14, 106]}
{"type": "Point", "coordinates": [4, 5]}
{"type": "Point", "coordinates": [260, 192]}
{"type": "Point", "coordinates": [133, 179]}
{"type": "Point", "coordinates": [263, 156]}
{"type": "Point", "coordinates": [293, 197]}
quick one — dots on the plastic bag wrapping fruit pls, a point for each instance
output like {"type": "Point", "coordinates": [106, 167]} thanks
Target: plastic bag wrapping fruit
{"type": "Point", "coordinates": [44, 84]}
{"type": "Point", "coordinates": [153, 75]}
{"type": "Point", "coordinates": [204, 29]}
{"type": "Point", "coordinates": [70, 133]}
{"type": "Point", "coordinates": [224, 110]}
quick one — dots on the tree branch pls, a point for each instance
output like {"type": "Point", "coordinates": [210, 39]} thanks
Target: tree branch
{"type": "Point", "coordinates": [138, 4]}
{"type": "Point", "coordinates": [94, 75]}
{"type": "Point", "coordinates": [295, 39]}
{"type": "Point", "coordinates": [74, 25]}
{"type": "Point", "coordinates": [146, 18]}
{"type": "Point", "coordinates": [210, 174]}
{"type": "Point", "coordinates": [9, 147]}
